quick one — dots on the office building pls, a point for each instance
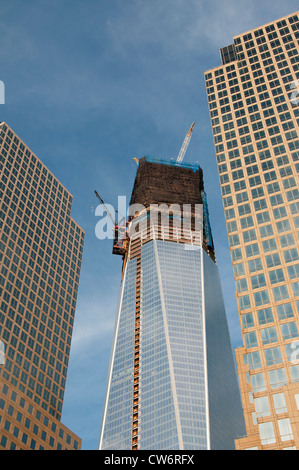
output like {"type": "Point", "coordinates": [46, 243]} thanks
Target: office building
{"type": "Point", "coordinates": [172, 381]}
{"type": "Point", "coordinates": [253, 103]}
{"type": "Point", "coordinates": [41, 249]}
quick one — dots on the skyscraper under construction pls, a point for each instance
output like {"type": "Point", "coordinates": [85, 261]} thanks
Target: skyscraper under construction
{"type": "Point", "coordinates": [172, 380]}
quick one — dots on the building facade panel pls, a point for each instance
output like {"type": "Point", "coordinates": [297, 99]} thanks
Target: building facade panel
{"type": "Point", "coordinates": [41, 250]}
{"type": "Point", "coordinates": [253, 102]}
{"type": "Point", "coordinates": [119, 399]}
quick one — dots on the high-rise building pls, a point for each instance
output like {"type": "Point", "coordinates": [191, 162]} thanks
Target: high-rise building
{"type": "Point", "coordinates": [172, 381]}
{"type": "Point", "coordinates": [253, 99]}
{"type": "Point", "coordinates": [41, 249]}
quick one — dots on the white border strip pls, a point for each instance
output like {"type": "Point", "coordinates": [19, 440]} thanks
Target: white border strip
{"type": "Point", "coordinates": [204, 334]}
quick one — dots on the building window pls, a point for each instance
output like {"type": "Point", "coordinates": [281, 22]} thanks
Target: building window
{"type": "Point", "coordinates": [262, 407]}
{"type": "Point", "coordinates": [284, 311]}
{"type": "Point", "coordinates": [249, 236]}
{"type": "Point", "coordinates": [32, 444]}
{"type": "Point", "coordinates": [258, 382]}
{"type": "Point", "coordinates": [289, 330]}
{"type": "Point", "coordinates": [261, 298]}
{"type": "Point", "coordinates": [255, 265]}
{"type": "Point", "coordinates": [285, 429]}
{"type": "Point", "coordinates": [267, 434]}
{"type": "Point", "coordinates": [252, 250]}
{"type": "Point", "coordinates": [239, 269]}
{"type": "Point", "coordinates": [276, 276]}
{"type": "Point", "coordinates": [241, 285]}
{"type": "Point", "coordinates": [250, 339]}
{"type": "Point", "coordinates": [273, 260]}
{"type": "Point", "coordinates": [234, 240]}
{"type": "Point", "coordinates": [286, 240]}
{"type": "Point", "coordinates": [277, 377]}
{"type": "Point", "coordinates": [263, 217]}
{"type": "Point", "coordinates": [283, 226]}
{"type": "Point", "coordinates": [295, 285]}
{"type": "Point", "coordinates": [269, 335]}
{"type": "Point", "coordinates": [280, 403]}
{"type": "Point", "coordinates": [295, 373]}
{"type": "Point", "coordinates": [247, 320]}
{"type": "Point", "coordinates": [3, 441]}
{"type": "Point", "coordinates": [265, 316]}
{"type": "Point", "coordinates": [273, 356]}
{"type": "Point", "coordinates": [290, 255]}
{"type": "Point", "coordinates": [253, 360]}
{"type": "Point", "coordinates": [246, 222]}
{"type": "Point", "coordinates": [244, 302]}
{"type": "Point", "coordinates": [236, 254]}
{"type": "Point", "coordinates": [266, 231]}
{"type": "Point", "coordinates": [258, 281]}
{"type": "Point", "coordinates": [280, 293]}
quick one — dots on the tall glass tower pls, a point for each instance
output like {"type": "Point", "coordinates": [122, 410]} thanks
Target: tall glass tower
{"type": "Point", "coordinates": [172, 380]}
{"type": "Point", "coordinates": [253, 99]}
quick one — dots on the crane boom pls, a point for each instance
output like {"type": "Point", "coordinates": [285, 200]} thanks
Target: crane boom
{"type": "Point", "coordinates": [120, 232]}
{"type": "Point", "coordinates": [99, 197]}
{"type": "Point", "coordinates": [185, 144]}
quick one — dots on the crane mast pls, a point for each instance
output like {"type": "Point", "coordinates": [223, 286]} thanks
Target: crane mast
{"type": "Point", "coordinates": [185, 144]}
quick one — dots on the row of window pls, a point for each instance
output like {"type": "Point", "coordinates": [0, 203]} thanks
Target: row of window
{"type": "Point", "coordinates": [267, 315]}
{"type": "Point", "coordinates": [272, 260]}
{"type": "Point", "coordinates": [265, 245]}
{"type": "Point", "coordinates": [280, 226]}
{"type": "Point", "coordinates": [264, 297]}
{"type": "Point", "coordinates": [39, 424]}
{"type": "Point", "coordinates": [267, 433]}
{"type": "Point", "coordinates": [270, 335]}
{"type": "Point", "coordinates": [273, 356]}
{"type": "Point", "coordinates": [259, 205]}
{"type": "Point", "coordinates": [263, 407]}
{"type": "Point", "coordinates": [265, 231]}
{"type": "Point", "coordinates": [26, 439]}
{"type": "Point", "coordinates": [259, 280]}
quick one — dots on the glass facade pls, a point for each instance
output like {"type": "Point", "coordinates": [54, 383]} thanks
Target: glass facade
{"type": "Point", "coordinates": [253, 101]}
{"type": "Point", "coordinates": [173, 399]}
{"type": "Point", "coordinates": [119, 399]}
{"type": "Point", "coordinates": [187, 371]}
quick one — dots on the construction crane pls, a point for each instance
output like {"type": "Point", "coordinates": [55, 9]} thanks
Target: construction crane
{"type": "Point", "coordinates": [99, 197]}
{"type": "Point", "coordinates": [185, 144]}
{"type": "Point", "coordinates": [120, 232]}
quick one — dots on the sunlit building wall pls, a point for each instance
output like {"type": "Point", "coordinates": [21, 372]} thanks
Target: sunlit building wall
{"type": "Point", "coordinates": [254, 107]}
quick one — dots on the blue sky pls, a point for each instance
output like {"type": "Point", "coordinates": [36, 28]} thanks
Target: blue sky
{"type": "Point", "coordinates": [88, 86]}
